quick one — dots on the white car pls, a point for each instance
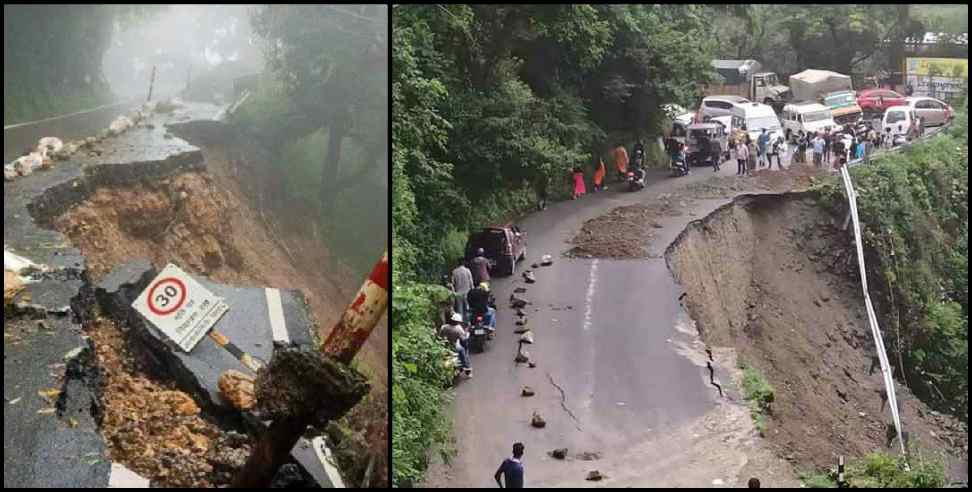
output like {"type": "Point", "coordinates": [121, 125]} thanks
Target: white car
{"type": "Point", "coordinates": [932, 111]}
{"type": "Point", "coordinates": [713, 106]}
{"type": "Point", "coordinates": [899, 120]}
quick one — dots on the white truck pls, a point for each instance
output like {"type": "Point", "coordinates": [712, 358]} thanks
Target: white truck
{"type": "Point", "coordinates": [745, 78]}
{"type": "Point", "coordinates": [831, 89]}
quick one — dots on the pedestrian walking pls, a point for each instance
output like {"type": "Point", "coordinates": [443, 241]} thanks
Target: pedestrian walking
{"type": "Point", "coordinates": [762, 146]}
{"type": "Point", "coordinates": [462, 283]}
{"type": "Point", "coordinates": [579, 188]}
{"type": "Point", "coordinates": [511, 470]}
{"type": "Point", "coordinates": [599, 174]}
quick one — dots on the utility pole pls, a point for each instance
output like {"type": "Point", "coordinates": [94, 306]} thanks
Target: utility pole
{"type": "Point", "coordinates": [151, 85]}
{"type": "Point", "coordinates": [326, 388]}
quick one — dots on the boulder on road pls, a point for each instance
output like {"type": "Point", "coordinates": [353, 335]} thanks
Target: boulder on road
{"type": "Point", "coordinates": [238, 389]}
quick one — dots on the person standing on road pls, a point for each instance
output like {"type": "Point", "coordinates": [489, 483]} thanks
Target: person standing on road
{"type": "Point", "coordinates": [819, 146]}
{"type": "Point", "coordinates": [762, 145]}
{"type": "Point", "coordinates": [512, 469]}
{"type": "Point", "coordinates": [751, 163]}
{"type": "Point", "coordinates": [462, 283]}
{"type": "Point", "coordinates": [621, 161]}
{"type": "Point", "coordinates": [801, 152]}
{"type": "Point", "coordinates": [775, 147]}
{"type": "Point", "coordinates": [480, 267]}
{"type": "Point", "coordinates": [742, 157]}
{"type": "Point", "coordinates": [828, 142]}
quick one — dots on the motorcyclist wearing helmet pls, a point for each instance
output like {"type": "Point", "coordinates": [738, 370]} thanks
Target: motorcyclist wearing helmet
{"type": "Point", "coordinates": [480, 267]}
{"type": "Point", "coordinates": [481, 303]}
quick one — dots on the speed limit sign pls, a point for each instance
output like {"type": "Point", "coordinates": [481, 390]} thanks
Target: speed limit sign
{"type": "Point", "coordinates": [180, 307]}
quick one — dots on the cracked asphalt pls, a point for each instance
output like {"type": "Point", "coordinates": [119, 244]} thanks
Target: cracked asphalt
{"type": "Point", "coordinates": [608, 378]}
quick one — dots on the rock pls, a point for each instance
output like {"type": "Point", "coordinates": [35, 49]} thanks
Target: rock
{"type": "Point", "coordinates": [528, 277]}
{"type": "Point", "coordinates": [534, 266]}
{"type": "Point", "coordinates": [238, 389]}
{"type": "Point", "coordinates": [589, 456]}
{"type": "Point", "coordinates": [199, 443]}
{"type": "Point", "coordinates": [49, 145]}
{"type": "Point", "coordinates": [595, 476]}
{"type": "Point", "coordinates": [12, 285]}
{"type": "Point", "coordinates": [532, 365]}
{"type": "Point", "coordinates": [547, 260]}
{"type": "Point", "coordinates": [181, 403]}
{"type": "Point", "coordinates": [817, 303]}
{"type": "Point", "coordinates": [521, 330]}
{"type": "Point", "coordinates": [559, 453]}
{"type": "Point", "coordinates": [519, 290]}
{"type": "Point", "coordinates": [527, 391]}
{"type": "Point", "coordinates": [537, 421]}
{"type": "Point", "coordinates": [120, 125]}
{"type": "Point", "coordinates": [521, 322]}
{"type": "Point", "coordinates": [521, 358]}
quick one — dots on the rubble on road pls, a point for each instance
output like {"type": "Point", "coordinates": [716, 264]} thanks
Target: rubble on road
{"type": "Point", "coordinates": [538, 421]}
{"type": "Point", "coordinates": [238, 389]}
{"type": "Point", "coordinates": [527, 391]}
{"type": "Point", "coordinates": [595, 476]}
{"type": "Point", "coordinates": [559, 453]}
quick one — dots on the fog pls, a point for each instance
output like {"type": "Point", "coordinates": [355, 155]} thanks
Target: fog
{"type": "Point", "coordinates": [185, 43]}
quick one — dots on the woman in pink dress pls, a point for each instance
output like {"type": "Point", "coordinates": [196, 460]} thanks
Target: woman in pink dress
{"type": "Point", "coordinates": [579, 188]}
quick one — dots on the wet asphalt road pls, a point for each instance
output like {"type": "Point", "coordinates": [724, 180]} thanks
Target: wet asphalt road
{"type": "Point", "coordinates": [604, 334]}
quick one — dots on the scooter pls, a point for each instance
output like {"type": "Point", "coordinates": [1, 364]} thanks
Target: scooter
{"type": "Point", "coordinates": [636, 179]}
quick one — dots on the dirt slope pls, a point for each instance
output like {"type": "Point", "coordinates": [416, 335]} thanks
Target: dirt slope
{"type": "Point", "coordinates": [773, 277]}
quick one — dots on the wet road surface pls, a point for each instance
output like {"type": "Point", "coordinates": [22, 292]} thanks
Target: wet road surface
{"type": "Point", "coordinates": [608, 376]}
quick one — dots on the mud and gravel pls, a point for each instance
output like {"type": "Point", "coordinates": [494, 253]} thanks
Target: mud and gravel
{"type": "Point", "coordinates": [774, 278]}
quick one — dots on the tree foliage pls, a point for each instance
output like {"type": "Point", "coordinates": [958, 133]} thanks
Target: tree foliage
{"type": "Point", "coordinates": [52, 54]}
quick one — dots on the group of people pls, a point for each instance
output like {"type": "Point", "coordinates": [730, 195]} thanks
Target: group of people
{"type": "Point", "coordinates": [619, 155]}
{"type": "Point", "coordinates": [471, 298]}
{"type": "Point", "coordinates": [835, 148]}
{"type": "Point", "coordinates": [752, 154]}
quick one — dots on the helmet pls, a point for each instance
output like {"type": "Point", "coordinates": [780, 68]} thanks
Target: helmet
{"type": "Point", "coordinates": [481, 252]}
{"type": "Point", "coordinates": [484, 286]}
{"type": "Point", "coordinates": [456, 318]}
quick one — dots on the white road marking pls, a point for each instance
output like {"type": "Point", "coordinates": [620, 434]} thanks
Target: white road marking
{"type": "Point", "coordinates": [589, 299]}
{"type": "Point", "coordinates": [277, 321]}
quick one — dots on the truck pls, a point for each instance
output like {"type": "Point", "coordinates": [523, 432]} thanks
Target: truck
{"type": "Point", "coordinates": [746, 78]}
{"type": "Point", "coordinates": [831, 89]}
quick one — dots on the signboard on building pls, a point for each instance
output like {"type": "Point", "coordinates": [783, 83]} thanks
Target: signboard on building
{"type": "Point", "coordinates": [942, 78]}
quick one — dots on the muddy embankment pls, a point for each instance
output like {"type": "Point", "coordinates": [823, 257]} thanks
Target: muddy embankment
{"type": "Point", "coordinates": [203, 220]}
{"type": "Point", "coordinates": [774, 277]}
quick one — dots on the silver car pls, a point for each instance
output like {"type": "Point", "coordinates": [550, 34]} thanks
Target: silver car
{"type": "Point", "coordinates": [931, 111]}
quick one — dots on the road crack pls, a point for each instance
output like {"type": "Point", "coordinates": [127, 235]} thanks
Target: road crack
{"type": "Point", "coordinates": [563, 402]}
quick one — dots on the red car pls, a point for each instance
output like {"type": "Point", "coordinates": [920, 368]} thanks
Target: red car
{"type": "Point", "coordinates": [879, 100]}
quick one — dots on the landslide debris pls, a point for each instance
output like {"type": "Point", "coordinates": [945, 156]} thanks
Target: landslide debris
{"type": "Point", "coordinates": [774, 277]}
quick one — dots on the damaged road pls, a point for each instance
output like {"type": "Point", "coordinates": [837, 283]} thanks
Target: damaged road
{"type": "Point", "coordinates": [74, 377]}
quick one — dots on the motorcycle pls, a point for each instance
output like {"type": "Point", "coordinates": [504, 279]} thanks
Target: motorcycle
{"type": "Point", "coordinates": [636, 179]}
{"type": "Point", "coordinates": [678, 166]}
{"type": "Point", "coordinates": [479, 334]}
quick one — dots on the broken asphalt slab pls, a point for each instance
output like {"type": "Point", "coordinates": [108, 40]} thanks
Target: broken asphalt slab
{"type": "Point", "coordinates": [249, 324]}
{"type": "Point", "coordinates": [64, 449]}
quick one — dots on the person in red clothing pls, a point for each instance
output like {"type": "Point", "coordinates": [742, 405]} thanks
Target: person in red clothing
{"type": "Point", "coordinates": [599, 174]}
{"type": "Point", "coordinates": [579, 187]}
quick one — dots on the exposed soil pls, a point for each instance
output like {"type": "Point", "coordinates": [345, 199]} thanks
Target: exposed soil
{"type": "Point", "coordinates": [156, 430]}
{"type": "Point", "coordinates": [626, 232]}
{"type": "Point", "coordinates": [200, 222]}
{"type": "Point", "coordinates": [773, 277]}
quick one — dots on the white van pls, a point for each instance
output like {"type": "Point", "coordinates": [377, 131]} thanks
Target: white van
{"type": "Point", "coordinates": [756, 117]}
{"type": "Point", "coordinates": [899, 120]}
{"type": "Point", "coordinates": [807, 118]}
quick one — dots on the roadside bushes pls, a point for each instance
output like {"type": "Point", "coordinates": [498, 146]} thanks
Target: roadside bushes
{"type": "Point", "coordinates": [915, 219]}
{"type": "Point", "coordinates": [759, 392]}
{"type": "Point", "coordinates": [881, 470]}
{"type": "Point", "coordinates": [419, 380]}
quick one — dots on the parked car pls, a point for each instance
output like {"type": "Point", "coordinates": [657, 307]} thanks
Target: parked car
{"type": "Point", "coordinates": [879, 100]}
{"type": "Point", "coordinates": [713, 106]}
{"type": "Point", "coordinates": [899, 120]}
{"type": "Point", "coordinates": [504, 245]}
{"type": "Point", "coordinates": [932, 111]}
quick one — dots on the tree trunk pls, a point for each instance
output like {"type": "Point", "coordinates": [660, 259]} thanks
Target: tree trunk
{"type": "Point", "coordinates": [340, 127]}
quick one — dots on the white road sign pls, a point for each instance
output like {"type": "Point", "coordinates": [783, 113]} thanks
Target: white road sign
{"type": "Point", "coordinates": [180, 307]}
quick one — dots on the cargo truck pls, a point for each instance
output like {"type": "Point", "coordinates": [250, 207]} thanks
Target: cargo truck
{"type": "Point", "coordinates": [745, 78]}
{"type": "Point", "coordinates": [831, 89]}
